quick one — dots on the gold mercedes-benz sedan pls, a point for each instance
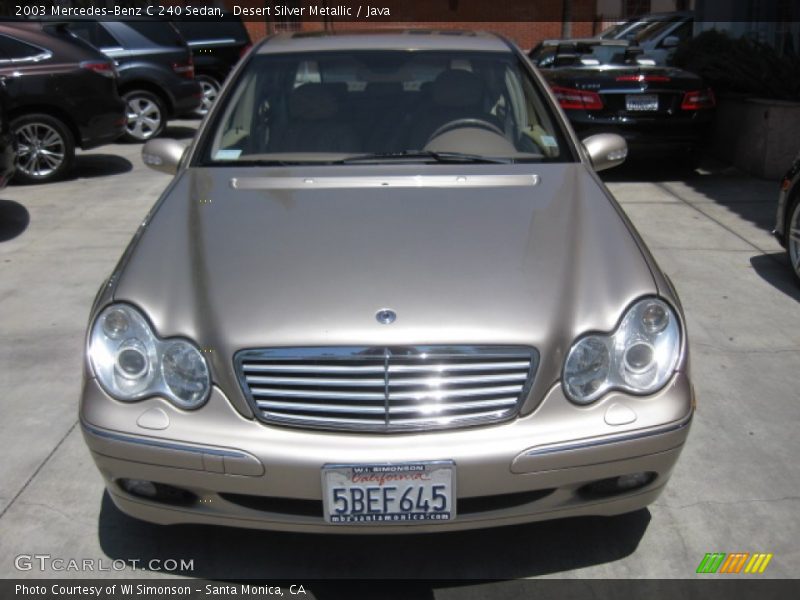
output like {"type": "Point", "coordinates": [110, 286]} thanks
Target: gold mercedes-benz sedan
{"type": "Point", "coordinates": [385, 292]}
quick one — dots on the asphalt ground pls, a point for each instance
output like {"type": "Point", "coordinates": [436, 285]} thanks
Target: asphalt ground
{"type": "Point", "coordinates": [735, 489]}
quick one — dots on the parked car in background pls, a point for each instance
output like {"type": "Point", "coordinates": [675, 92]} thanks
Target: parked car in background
{"type": "Point", "coordinates": [628, 30]}
{"type": "Point", "coordinates": [216, 47]}
{"type": "Point", "coordinates": [156, 71]}
{"type": "Point", "coordinates": [661, 37]}
{"type": "Point", "coordinates": [393, 300]}
{"type": "Point", "coordinates": [62, 93]}
{"type": "Point", "coordinates": [610, 86]}
{"type": "Point", "coordinates": [787, 225]}
{"type": "Point", "coordinates": [8, 152]}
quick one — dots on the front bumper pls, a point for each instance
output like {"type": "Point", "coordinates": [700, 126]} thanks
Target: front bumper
{"type": "Point", "coordinates": [530, 469]}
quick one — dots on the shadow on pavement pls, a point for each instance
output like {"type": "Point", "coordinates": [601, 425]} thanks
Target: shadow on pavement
{"type": "Point", "coordinates": [500, 553]}
{"type": "Point", "coordinates": [99, 165]}
{"type": "Point", "coordinates": [775, 269]}
{"type": "Point", "coordinates": [642, 170]}
{"type": "Point", "coordinates": [14, 219]}
{"type": "Point", "coordinates": [751, 199]}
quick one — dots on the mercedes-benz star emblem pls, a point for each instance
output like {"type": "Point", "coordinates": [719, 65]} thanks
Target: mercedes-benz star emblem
{"type": "Point", "coordinates": [386, 316]}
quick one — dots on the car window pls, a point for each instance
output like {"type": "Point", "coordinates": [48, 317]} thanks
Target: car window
{"type": "Point", "coordinates": [12, 50]}
{"type": "Point", "coordinates": [94, 33]}
{"type": "Point", "coordinates": [684, 31]}
{"type": "Point", "coordinates": [324, 107]}
{"type": "Point", "coordinates": [655, 29]}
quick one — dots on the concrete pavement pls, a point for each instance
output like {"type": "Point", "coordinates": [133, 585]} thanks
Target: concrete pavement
{"type": "Point", "coordinates": [736, 487]}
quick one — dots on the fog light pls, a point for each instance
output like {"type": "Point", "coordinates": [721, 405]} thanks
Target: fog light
{"type": "Point", "coordinates": [616, 485]}
{"type": "Point", "coordinates": [158, 492]}
{"type": "Point", "coordinates": [139, 487]}
{"type": "Point", "coordinates": [633, 481]}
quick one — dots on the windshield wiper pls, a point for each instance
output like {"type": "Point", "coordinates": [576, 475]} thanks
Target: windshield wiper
{"type": "Point", "coordinates": [259, 162]}
{"type": "Point", "coordinates": [442, 157]}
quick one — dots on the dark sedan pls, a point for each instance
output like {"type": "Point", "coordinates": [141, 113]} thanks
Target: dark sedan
{"type": "Point", "coordinates": [609, 86]}
{"type": "Point", "coordinates": [61, 94]}
{"type": "Point", "coordinates": [787, 226]}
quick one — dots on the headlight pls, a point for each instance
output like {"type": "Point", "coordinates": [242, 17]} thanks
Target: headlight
{"type": "Point", "coordinates": [639, 356]}
{"type": "Point", "coordinates": [131, 362]}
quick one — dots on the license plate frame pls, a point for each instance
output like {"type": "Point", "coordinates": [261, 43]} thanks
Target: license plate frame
{"type": "Point", "coordinates": [641, 102]}
{"type": "Point", "coordinates": [391, 480]}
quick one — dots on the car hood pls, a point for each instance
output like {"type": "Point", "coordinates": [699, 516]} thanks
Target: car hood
{"type": "Point", "coordinates": [495, 254]}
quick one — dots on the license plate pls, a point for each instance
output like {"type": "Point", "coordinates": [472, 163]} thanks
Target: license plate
{"type": "Point", "coordinates": [641, 102]}
{"type": "Point", "coordinates": [389, 493]}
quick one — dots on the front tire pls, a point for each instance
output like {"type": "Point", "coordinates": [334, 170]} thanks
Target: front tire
{"type": "Point", "coordinates": [210, 87]}
{"type": "Point", "coordinates": [45, 148]}
{"type": "Point", "coordinates": [147, 116]}
{"type": "Point", "coordinates": [793, 236]}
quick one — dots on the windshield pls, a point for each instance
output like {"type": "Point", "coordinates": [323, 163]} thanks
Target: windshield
{"type": "Point", "coordinates": [364, 106]}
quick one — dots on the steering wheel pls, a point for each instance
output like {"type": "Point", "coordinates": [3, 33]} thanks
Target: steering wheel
{"type": "Point", "coordinates": [468, 122]}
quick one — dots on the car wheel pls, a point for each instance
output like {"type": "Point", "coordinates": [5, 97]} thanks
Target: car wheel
{"type": "Point", "coordinates": [147, 117]}
{"type": "Point", "coordinates": [793, 236]}
{"type": "Point", "coordinates": [45, 148]}
{"type": "Point", "coordinates": [210, 87]}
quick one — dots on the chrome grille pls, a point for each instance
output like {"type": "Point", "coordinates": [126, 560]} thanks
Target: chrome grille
{"type": "Point", "coordinates": [386, 389]}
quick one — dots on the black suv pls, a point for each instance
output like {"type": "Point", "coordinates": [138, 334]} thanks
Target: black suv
{"type": "Point", "coordinates": [216, 47]}
{"type": "Point", "coordinates": [156, 72]}
{"type": "Point", "coordinates": [62, 93]}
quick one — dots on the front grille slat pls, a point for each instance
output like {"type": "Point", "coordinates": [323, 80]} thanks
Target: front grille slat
{"type": "Point", "coordinates": [314, 382]}
{"type": "Point", "coordinates": [312, 368]}
{"type": "Point", "coordinates": [320, 408]}
{"type": "Point", "coordinates": [461, 367]}
{"type": "Point", "coordinates": [386, 389]}
{"type": "Point", "coordinates": [327, 395]}
{"type": "Point", "coordinates": [443, 394]}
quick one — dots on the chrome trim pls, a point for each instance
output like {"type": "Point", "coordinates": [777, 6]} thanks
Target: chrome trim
{"type": "Point", "coordinates": [380, 410]}
{"type": "Point", "coordinates": [611, 439]}
{"type": "Point", "coordinates": [33, 58]}
{"type": "Point", "coordinates": [153, 443]}
{"type": "Point", "coordinates": [297, 381]}
{"type": "Point", "coordinates": [394, 181]}
{"type": "Point", "coordinates": [419, 391]}
{"type": "Point", "coordinates": [216, 42]}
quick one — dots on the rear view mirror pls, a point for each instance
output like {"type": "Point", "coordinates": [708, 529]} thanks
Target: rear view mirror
{"type": "Point", "coordinates": [164, 155]}
{"type": "Point", "coordinates": [606, 150]}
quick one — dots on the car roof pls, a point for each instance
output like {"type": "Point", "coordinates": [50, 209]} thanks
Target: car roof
{"type": "Point", "coordinates": [393, 39]}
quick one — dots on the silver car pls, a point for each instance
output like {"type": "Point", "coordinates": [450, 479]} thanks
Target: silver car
{"type": "Point", "coordinates": [385, 291]}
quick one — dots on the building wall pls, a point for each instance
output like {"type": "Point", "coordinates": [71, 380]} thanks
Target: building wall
{"type": "Point", "coordinates": [525, 34]}
{"type": "Point", "coordinates": [582, 21]}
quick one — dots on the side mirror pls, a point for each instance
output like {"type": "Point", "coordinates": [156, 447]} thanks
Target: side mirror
{"type": "Point", "coordinates": [606, 150]}
{"type": "Point", "coordinates": [671, 41]}
{"type": "Point", "coordinates": [164, 155]}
